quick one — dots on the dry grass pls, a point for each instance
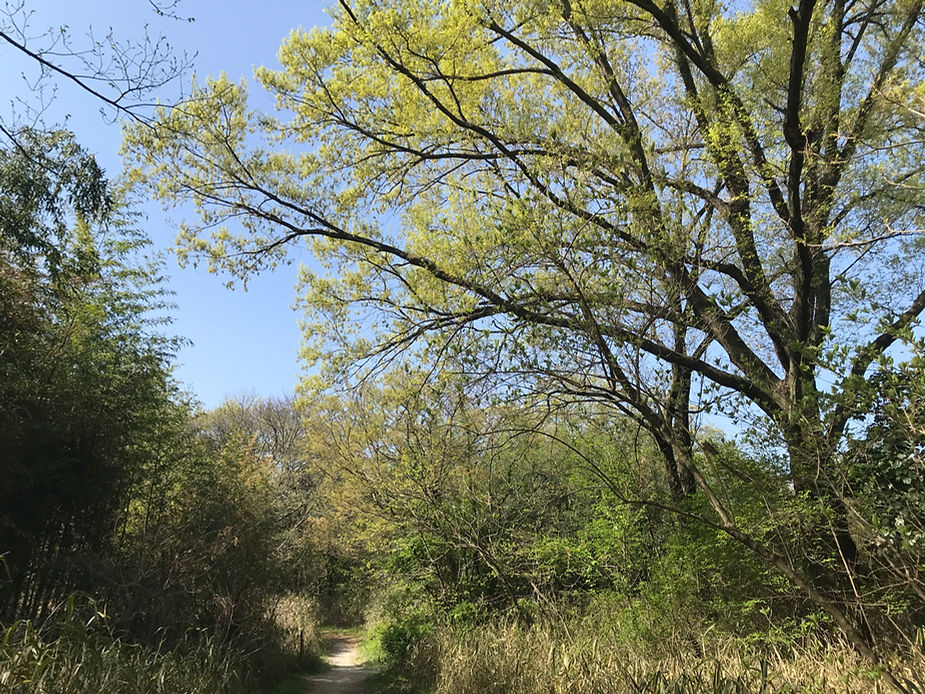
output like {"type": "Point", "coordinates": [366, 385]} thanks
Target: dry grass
{"type": "Point", "coordinates": [82, 662]}
{"type": "Point", "coordinates": [508, 659]}
{"type": "Point", "coordinates": [75, 651]}
{"type": "Point", "coordinates": [295, 617]}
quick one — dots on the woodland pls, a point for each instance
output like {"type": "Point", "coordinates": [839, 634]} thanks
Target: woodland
{"type": "Point", "coordinates": [613, 360]}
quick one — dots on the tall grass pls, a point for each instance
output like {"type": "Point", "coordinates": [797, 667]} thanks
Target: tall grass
{"type": "Point", "coordinates": [298, 637]}
{"type": "Point", "coordinates": [79, 655]}
{"type": "Point", "coordinates": [75, 651]}
{"type": "Point", "coordinates": [510, 659]}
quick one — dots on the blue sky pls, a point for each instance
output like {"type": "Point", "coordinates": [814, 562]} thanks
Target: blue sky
{"type": "Point", "coordinates": [242, 341]}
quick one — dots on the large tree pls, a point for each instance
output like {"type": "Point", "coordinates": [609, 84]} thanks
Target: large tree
{"type": "Point", "coordinates": [666, 207]}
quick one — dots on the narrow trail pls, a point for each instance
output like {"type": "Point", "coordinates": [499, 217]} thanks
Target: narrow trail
{"type": "Point", "coordinates": [345, 675]}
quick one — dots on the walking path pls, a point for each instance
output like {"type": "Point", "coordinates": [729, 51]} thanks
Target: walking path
{"type": "Point", "coordinates": [346, 676]}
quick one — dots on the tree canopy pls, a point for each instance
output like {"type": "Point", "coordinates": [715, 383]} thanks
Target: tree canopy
{"type": "Point", "coordinates": [667, 208]}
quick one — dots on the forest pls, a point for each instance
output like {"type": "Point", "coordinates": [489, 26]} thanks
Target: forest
{"type": "Point", "coordinates": [614, 373]}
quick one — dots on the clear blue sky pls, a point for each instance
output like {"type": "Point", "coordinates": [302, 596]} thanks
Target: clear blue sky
{"type": "Point", "coordinates": [242, 341]}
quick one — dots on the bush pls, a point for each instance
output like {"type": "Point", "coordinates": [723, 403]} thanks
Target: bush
{"type": "Point", "coordinates": [405, 651]}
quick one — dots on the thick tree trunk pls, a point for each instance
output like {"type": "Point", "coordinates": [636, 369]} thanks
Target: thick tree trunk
{"type": "Point", "coordinates": [813, 473]}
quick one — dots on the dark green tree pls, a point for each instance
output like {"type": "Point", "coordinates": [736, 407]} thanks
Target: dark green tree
{"type": "Point", "coordinates": [83, 369]}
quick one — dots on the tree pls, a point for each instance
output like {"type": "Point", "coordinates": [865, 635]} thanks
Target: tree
{"type": "Point", "coordinates": [484, 508]}
{"type": "Point", "coordinates": [82, 368]}
{"type": "Point", "coordinates": [120, 76]}
{"type": "Point", "coordinates": [668, 208]}
{"type": "Point", "coordinates": [207, 548]}
{"type": "Point", "coordinates": [885, 486]}
{"type": "Point", "coordinates": [275, 432]}
{"type": "Point", "coordinates": [274, 424]}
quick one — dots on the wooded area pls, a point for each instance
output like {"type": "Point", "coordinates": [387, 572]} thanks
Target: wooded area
{"type": "Point", "coordinates": [612, 339]}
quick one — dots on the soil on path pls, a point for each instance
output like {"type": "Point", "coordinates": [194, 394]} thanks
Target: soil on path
{"type": "Point", "coordinates": [346, 676]}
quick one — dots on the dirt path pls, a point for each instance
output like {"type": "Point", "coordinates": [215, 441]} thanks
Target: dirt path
{"type": "Point", "coordinates": [345, 675]}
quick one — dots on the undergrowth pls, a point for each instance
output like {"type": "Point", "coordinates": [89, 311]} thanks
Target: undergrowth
{"type": "Point", "coordinates": [73, 653]}
{"type": "Point", "coordinates": [510, 658]}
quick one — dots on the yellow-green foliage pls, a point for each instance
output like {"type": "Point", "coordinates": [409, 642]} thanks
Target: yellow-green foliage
{"type": "Point", "coordinates": [660, 208]}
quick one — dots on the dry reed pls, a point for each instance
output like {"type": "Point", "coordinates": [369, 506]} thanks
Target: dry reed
{"type": "Point", "coordinates": [509, 659]}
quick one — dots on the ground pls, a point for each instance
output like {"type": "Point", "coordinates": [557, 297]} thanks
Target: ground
{"type": "Point", "coordinates": [346, 676]}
